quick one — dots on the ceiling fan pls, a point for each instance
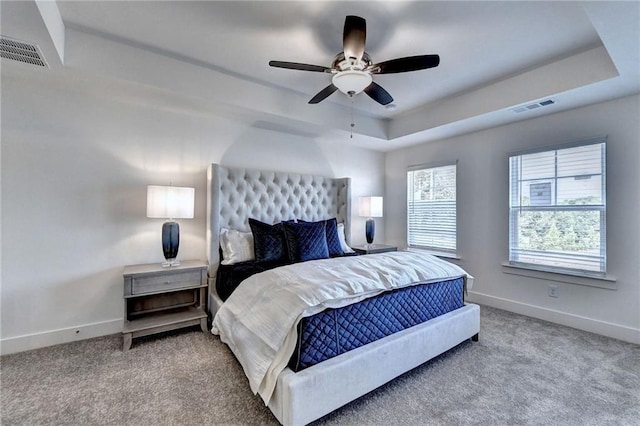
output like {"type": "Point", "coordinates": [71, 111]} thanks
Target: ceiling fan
{"type": "Point", "coordinates": [353, 68]}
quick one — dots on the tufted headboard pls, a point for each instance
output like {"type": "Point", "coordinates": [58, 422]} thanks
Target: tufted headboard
{"type": "Point", "coordinates": [234, 195]}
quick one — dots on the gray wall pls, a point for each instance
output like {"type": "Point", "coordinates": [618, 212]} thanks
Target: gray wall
{"type": "Point", "coordinates": [77, 154]}
{"type": "Point", "coordinates": [483, 215]}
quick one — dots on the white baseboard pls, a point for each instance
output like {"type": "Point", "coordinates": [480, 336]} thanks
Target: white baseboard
{"type": "Point", "coordinates": [616, 331]}
{"type": "Point", "coordinates": [55, 337]}
{"type": "Point", "coordinates": [12, 345]}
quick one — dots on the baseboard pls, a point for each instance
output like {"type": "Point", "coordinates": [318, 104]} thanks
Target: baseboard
{"type": "Point", "coordinates": [12, 345]}
{"type": "Point", "coordinates": [616, 331]}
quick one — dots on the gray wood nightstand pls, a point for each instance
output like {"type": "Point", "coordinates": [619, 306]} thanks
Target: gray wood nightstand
{"type": "Point", "coordinates": [373, 248]}
{"type": "Point", "coordinates": [158, 299]}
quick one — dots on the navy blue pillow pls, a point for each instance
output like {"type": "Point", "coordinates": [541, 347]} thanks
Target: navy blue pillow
{"type": "Point", "coordinates": [268, 241]}
{"type": "Point", "coordinates": [306, 241]}
{"type": "Point", "coordinates": [333, 242]}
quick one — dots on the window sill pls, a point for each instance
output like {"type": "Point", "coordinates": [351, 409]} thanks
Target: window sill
{"type": "Point", "coordinates": [606, 282]}
{"type": "Point", "coordinates": [436, 253]}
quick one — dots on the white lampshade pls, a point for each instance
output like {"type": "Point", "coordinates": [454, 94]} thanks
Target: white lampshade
{"type": "Point", "coordinates": [370, 207]}
{"type": "Point", "coordinates": [170, 202]}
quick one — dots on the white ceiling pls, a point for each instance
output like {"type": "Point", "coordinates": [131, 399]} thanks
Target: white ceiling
{"type": "Point", "coordinates": [494, 56]}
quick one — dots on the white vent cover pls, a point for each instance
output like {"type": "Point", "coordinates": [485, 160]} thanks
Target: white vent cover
{"type": "Point", "coordinates": [21, 51]}
{"type": "Point", "coordinates": [536, 105]}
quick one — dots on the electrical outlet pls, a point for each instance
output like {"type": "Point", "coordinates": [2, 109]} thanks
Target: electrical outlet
{"type": "Point", "coordinates": [553, 291]}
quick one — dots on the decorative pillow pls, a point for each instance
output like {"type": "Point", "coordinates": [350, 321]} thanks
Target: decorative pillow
{"type": "Point", "coordinates": [306, 241]}
{"type": "Point", "coordinates": [268, 241]}
{"type": "Point", "coordinates": [236, 246]}
{"type": "Point", "coordinates": [343, 241]}
{"type": "Point", "coordinates": [333, 240]}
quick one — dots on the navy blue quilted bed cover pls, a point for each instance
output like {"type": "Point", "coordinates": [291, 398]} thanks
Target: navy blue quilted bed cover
{"type": "Point", "coordinates": [335, 331]}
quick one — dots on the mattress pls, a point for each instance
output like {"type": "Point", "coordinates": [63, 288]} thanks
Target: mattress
{"type": "Point", "coordinates": [259, 320]}
{"type": "Point", "coordinates": [335, 331]}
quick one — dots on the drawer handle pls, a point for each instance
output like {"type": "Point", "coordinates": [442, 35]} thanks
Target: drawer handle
{"type": "Point", "coordinates": [167, 282]}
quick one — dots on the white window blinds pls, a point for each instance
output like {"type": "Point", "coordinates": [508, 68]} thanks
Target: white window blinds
{"type": "Point", "coordinates": [557, 208]}
{"type": "Point", "coordinates": [431, 208]}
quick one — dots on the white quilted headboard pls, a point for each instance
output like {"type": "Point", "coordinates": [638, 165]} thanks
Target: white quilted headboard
{"type": "Point", "coordinates": [234, 195]}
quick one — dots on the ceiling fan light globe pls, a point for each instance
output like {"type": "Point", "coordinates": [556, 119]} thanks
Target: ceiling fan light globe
{"type": "Point", "coordinates": [352, 81]}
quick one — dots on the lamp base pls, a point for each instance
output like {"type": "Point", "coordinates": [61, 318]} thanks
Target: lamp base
{"type": "Point", "coordinates": [370, 230]}
{"type": "Point", "coordinates": [170, 242]}
{"type": "Point", "coordinates": [169, 263]}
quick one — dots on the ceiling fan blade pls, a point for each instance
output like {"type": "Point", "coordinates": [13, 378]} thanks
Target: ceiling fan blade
{"type": "Point", "coordinates": [299, 66]}
{"type": "Point", "coordinates": [354, 37]}
{"type": "Point", "coordinates": [378, 94]}
{"type": "Point", "coordinates": [323, 94]}
{"type": "Point", "coordinates": [409, 63]}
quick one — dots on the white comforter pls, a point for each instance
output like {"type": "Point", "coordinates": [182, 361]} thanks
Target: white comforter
{"type": "Point", "coordinates": [258, 321]}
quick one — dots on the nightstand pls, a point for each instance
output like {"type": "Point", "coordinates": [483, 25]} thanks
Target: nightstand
{"type": "Point", "coordinates": [373, 248]}
{"type": "Point", "coordinates": [158, 299]}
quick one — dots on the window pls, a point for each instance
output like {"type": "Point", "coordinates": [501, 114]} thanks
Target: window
{"type": "Point", "coordinates": [557, 208]}
{"type": "Point", "coordinates": [431, 208]}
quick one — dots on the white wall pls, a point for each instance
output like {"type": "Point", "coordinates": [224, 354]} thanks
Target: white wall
{"type": "Point", "coordinates": [77, 154]}
{"type": "Point", "coordinates": [483, 214]}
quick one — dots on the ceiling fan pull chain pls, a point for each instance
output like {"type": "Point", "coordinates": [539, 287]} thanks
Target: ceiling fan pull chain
{"type": "Point", "coordinates": [352, 123]}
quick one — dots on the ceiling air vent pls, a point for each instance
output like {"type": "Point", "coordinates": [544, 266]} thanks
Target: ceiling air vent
{"type": "Point", "coordinates": [525, 108]}
{"type": "Point", "coordinates": [21, 51]}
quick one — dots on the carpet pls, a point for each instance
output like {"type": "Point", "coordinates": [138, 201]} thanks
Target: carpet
{"type": "Point", "coordinates": [523, 371]}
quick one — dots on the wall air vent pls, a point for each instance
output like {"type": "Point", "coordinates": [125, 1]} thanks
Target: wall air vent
{"type": "Point", "coordinates": [536, 105]}
{"type": "Point", "coordinates": [21, 51]}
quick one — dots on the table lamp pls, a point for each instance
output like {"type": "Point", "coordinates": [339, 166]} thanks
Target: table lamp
{"type": "Point", "coordinates": [170, 202]}
{"type": "Point", "coordinates": [370, 207]}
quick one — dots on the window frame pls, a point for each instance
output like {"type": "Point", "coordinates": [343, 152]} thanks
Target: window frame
{"type": "Point", "coordinates": [439, 251]}
{"type": "Point", "coordinates": [602, 209]}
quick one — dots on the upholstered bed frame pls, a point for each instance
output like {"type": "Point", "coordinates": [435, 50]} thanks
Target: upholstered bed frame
{"type": "Point", "coordinates": [235, 195]}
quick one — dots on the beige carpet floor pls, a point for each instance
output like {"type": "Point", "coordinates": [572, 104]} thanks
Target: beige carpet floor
{"type": "Point", "coordinates": [522, 372]}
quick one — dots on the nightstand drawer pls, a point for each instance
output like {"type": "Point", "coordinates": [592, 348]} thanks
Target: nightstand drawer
{"type": "Point", "coordinates": [164, 282]}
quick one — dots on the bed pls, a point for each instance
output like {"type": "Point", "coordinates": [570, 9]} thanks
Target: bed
{"type": "Point", "coordinates": [322, 385]}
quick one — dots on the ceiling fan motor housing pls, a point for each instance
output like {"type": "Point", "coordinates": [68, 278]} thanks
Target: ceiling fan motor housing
{"type": "Point", "coordinates": [340, 63]}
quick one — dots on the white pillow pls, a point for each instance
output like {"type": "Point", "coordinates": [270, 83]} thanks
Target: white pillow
{"type": "Point", "coordinates": [343, 241]}
{"type": "Point", "coordinates": [236, 246]}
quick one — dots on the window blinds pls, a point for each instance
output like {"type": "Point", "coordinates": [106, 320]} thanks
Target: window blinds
{"type": "Point", "coordinates": [557, 208]}
{"type": "Point", "coordinates": [431, 208]}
